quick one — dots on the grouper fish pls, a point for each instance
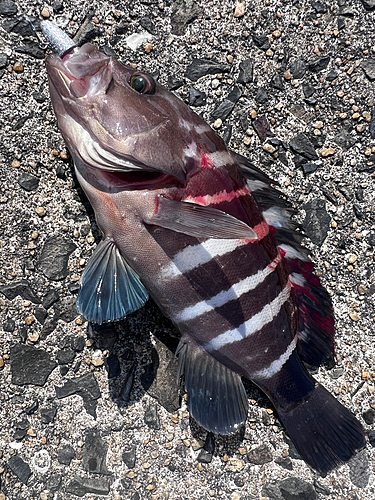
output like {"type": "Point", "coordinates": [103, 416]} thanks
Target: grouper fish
{"type": "Point", "coordinates": [200, 230]}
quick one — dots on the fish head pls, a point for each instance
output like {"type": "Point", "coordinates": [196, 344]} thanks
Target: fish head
{"type": "Point", "coordinates": [116, 118]}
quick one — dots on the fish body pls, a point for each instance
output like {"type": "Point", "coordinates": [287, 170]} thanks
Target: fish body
{"type": "Point", "coordinates": [199, 229]}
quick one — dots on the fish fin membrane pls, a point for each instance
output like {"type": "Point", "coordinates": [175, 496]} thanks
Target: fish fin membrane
{"type": "Point", "coordinates": [199, 221]}
{"type": "Point", "coordinates": [109, 288]}
{"type": "Point", "coordinates": [324, 432]}
{"type": "Point", "coordinates": [217, 399]}
{"type": "Point", "coordinates": [316, 330]}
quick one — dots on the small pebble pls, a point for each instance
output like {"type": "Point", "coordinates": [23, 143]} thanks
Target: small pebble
{"type": "Point", "coordinates": [18, 67]}
{"type": "Point", "coordinates": [64, 155]}
{"type": "Point", "coordinates": [16, 164]}
{"type": "Point", "coordinates": [218, 123]}
{"type": "Point", "coordinates": [29, 320]}
{"type": "Point", "coordinates": [97, 362]}
{"type": "Point", "coordinates": [352, 258]}
{"type": "Point", "coordinates": [41, 211]}
{"type": "Point", "coordinates": [148, 47]}
{"type": "Point", "coordinates": [34, 337]}
{"type": "Point", "coordinates": [1, 363]}
{"type": "Point", "coordinates": [327, 152]}
{"type": "Point", "coordinates": [276, 34]}
{"type": "Point", "coordinates": [354, 316]}
{"type": "Point", "coordinates": [45, 12]}
{"type": "Point", "coordinates": [240, 10]}
{"type": "Point", "coordinates": [365, 376]}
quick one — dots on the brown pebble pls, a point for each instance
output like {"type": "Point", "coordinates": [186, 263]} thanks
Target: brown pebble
{"type": "Point", "coordinates": [288, 75]}
{"type": "Point", "coordinates": [31, 433]}
{"type": "Point", "coordinates": [253, 114]}
{"type": "Point", "coordinates": [29, 320]}
{"type": "Point", "coordinates": [34, 235]}
{"type": "Point", "coordinates": [365, 375]}
{"type": "Point", "coordinates": [354, 316]}
{"type": "Point", "coordinates": [45, 12]}
{"type": "Point", "coordinates": [41, 211]}
{"type": "Point", "coordinates": [18, 67]}
{"type": "Point", "coordinates": [240, 10]}
{"type": "Point", "coordinates": [327, 152]}
{"type": "Point", "coordinates": [148, 47]}
{"type": "Point", "coordinates": [16, 164]}
{"type": "Point", "coordinates": [1, 363]}
{"type": "Point", "coordinates": [64, 155]}
{"type": "Point", "coordinates": [276, 34]}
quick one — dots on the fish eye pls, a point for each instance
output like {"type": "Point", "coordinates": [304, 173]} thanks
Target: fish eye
{"type": "Point", "coordinates": [144, 84]}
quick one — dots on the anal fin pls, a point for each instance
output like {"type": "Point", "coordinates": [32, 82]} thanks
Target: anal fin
{"type": "Point", "coordinates": [217, 399]}
{"type": "Point", "coordinates": [110, 289]}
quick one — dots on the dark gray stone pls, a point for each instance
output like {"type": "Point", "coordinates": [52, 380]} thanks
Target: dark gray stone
{"type": "Point", "coordinates": [246, 73]}
{"type": "Point", "coordinates": [368, 66]}
{"type": "Point", "coordinates": [309, 168]}
{"type": "Point", "coordinates": [8, 8]}
{"type": "Point", "coordinates": [31, 49]}
{"type": "Point", "coordinates": [317, 221]}
{"type": "Point", "coordinates": [129, 457]}
{"type": "Point", "coordinates": [18, 124]}
{"type": "Point", "coordinates": [21, 288]}
{"type": "Point", "coordinates": [20, 468]}
{"type": "Point", "coordinates": [204, 456]}
{"type": "Point", "coordinates": [66, 454]}
{"type": "Point", "coordinates": [369, 4]}
{"type": "Point", "coordinates": [183, 13]}
{"type": "Point", "coordinates": [19, 434]}
{"type": "Point", "coordinates": [285, 463]}
{"type": "Point", "coordinates": [332, 75]}
{"type": "Point", "coordinates": [85, 386]}
{"type": "Point", "coordinates": [262, 128]}
{"type": "Point", "coordinates": [196, 97]}
{"type": "Point", "coordinates": [151, 417]}
{"type": "Point", "coordinates": [53, 260]}
{"type": "Point", "coordinates": [32, 407]}
{"type": "Point", "coordinates": [66, 309]}
{"type": "Point", "coordinates": [261, 41]}
{"type": "Point", "coordinates": [127, 384]}
{"type": "Point", "coordinates": [40, 314]}
{"type": "Point", "coordinates": [360, 469]}
{"type": "Point", "coordinates": [95, 453]}
{"type": "Point", "coordinates": [303, 146]}
{"type": "Point", "coordinates": [345, 139]}
{"type": "Point", "coordinates": [159, 378]}
{"type": "Point", "coordinates": [82, 485]}
{"type": "Point", "coordinates": [319, 64]}
{"type": "Point", "coordinates": [308, 90]}
{"type": "Point", "coordinates": [277, 82]}
{"type": "Point", "coordinates": [113, 366]}
{"type": "Point", "coordinates": [148, 24]}
{"type": "Point", "coordinates": [78, 343]}
{"type": "Point", "coordinates": [319, 7]}
{"type": "Point", "coordinates": [298, 68]}
{"type": "Point", "coordinates": [9, 325]}
{"type": "Point", "coordinates": [291, 488]}
{"type": "Point", "coordinates": [3, 60]}
{"type": "Point", "coordinates": [53, 482]}
{"type": "Point", "coordinates": [50, 298]}
{"type": "Point", "coordinates": [371, 438]}
{"type": "Point", "coordinates": [174, 83]}
{"type": "Point", "coordinates": [202, 67]}
{"type": "Point", "coordinates": [65, 356]}
{"type": "Point", "coordinates": [261, 96]}
{"type": "Point", "coordinates": [29, 182]}
{"type": "Point", "coordinates": [29, 365]}
{"type": "Point", "coordinates": [260, 455]}
{"type": "Point", "coordinates": [47, 415]}
{"type": "Point", "coordinates": [223, 110]}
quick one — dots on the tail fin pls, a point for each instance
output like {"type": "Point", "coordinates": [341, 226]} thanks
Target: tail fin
{"type": "Point", "coordinates": [324, 432]}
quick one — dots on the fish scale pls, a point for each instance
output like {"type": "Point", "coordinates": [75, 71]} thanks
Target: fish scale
{"type": "Point", "coordinates": [201, 230]}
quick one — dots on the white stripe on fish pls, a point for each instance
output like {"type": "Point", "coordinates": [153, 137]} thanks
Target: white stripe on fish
{"type": "Point", "coordinates": [220, 197]}
{"type": "Point", "coordinates": [234, 292]}
{"type": "Point", "coordinates": [276, 365]}
{"type": "Point", "coordinates": [252, 325]}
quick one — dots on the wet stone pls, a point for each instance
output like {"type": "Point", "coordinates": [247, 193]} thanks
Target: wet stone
{"type": "Point", "coordinates": [371, 438]}
{"type": "Point", "coordinates": [197, 97]}
{"type": "Point", "coordinates": [303, 146]}
{"type": "Point", "coordinates": [129, 457]}
{"type": "Point", "coordinates": [298, 68]}
{"type": "Point", "coordinates": [85, 386]}
{"type": "Point", "coordinates": [29, 365]}
{"type": "Point", "coordinates": [66, 454]}
{"type": "Point", "coordinates": [360, 469]}
{"type": "Point", "coordinates": [317, 65]}
{"type": "Point", "coordinates": [151, 417]}
{"type": "Point", "coordinates": [174, 83]}
{"type": "Point", "coordinates": [8, 8]}
{"type": "Point", "coordinates": [82, 485]}
{"type": "Point", "coordinates": [291, 488]}
{"type": "Point", "coordinates": [60, 172]}
{"type": "Point", "coordinates": [260, 455]}
{"type": "Point", "coordinates": [246, 73]}
{"type": "Point", "coordinates": [317, 221]}
{"type": "Point", "coordinates": [20, 468]}
{"type": "Point", "coordinates": [31, 49]}
{"type": "Point", "coordinates": [53, 260]}
{"type": "Point", "coordinates": [21, 288]}
{"type": "Point", "coordinates": [65, 356]}
{"type": "Point", "coordinates": [50, 298]}
{"type": "Point", "coordinates": [369, 416]}
{"type": "Point", "coordinates": [113, 366]}
{"type": "Point", "coordinates": [9, 325]}
{"type": "Point", "coordinates": [47, 415]}
{"type": "Point", "coordinates": [202, 67]}
{"type": "Point", "coordinates": [28, 181]}
{"type": "Point", "coordinates": [183, 13]}
{"type": "Point", "coordinates": [95, 453]}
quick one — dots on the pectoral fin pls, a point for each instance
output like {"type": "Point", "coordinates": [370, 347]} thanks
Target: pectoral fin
{"type": "Point", "coordinates": [110, 289]}
{"type": "Point", "coordinates": [199, 221]}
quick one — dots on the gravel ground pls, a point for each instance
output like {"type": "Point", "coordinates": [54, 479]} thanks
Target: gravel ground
{"type": "Point", "coordinates": [96, 412]}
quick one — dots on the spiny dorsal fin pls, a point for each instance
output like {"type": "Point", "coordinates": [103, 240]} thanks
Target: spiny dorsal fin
{"type": "Point", "coordinates": [110, 289]}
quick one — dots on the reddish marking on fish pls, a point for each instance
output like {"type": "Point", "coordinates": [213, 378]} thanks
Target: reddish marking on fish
{"type": "Point", "coordinates": [205, 161]}
{"type": "Point", "coordinates": [275, 262]}
{"type": "Point", "coordinates": [217, 198]}
{"type": "Point", "coordinates": [262, 230]}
